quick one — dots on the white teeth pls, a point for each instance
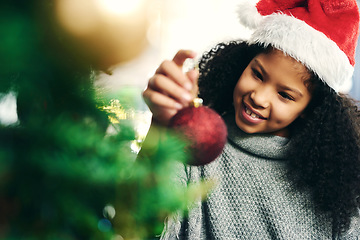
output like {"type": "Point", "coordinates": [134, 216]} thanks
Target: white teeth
{"type": "Point", "coordinates": [253, 115]}
{"type": "Point", "coordinates": [250, 113]}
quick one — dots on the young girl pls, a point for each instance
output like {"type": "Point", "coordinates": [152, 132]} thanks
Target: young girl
{"type": "Point", "coordinates": [291, 166]}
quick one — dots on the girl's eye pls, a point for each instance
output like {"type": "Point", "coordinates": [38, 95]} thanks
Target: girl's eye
{"type": "Point", "coordinates": [257, 74]}
{"type": "Point", "coordinates": [286, 96]}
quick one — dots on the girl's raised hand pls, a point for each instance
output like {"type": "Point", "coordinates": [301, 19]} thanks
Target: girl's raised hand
{"type": "Point", "coordinates": [170, 89]}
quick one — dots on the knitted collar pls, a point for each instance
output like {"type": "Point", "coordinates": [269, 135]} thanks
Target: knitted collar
{"type": "Point", "coordinates": [262, 145]}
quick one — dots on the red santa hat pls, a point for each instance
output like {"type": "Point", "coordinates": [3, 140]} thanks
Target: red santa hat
{"type": "Point", "coordinates": [321, 34]}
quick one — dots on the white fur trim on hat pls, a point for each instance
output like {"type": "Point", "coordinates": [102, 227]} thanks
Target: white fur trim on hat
{"type": "Point", "coordinates": [307, 45]}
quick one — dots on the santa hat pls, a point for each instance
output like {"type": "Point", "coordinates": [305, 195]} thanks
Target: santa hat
{"type": "Point", "coordinates": [321, 34]}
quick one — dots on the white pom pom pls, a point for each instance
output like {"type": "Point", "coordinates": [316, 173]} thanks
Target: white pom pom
{"type": "Point", "coordinates": [248, 14]}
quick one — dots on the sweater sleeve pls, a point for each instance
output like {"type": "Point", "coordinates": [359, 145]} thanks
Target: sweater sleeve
{"type": "Point", "coordinates": [173, 223]}
{"type": "Point", "coordinates": [187, 224]}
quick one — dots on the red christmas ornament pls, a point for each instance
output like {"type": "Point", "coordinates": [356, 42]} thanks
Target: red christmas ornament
{"type": "Point", "coordinates": [204, 129]}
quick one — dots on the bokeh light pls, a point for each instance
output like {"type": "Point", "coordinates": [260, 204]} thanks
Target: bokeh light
{"type": "Point", "coordinates": [104, 225]}
{"type": "Point", "coordinates": [8, 109]}
{"type": "Point", "coordinates": [109, 211]}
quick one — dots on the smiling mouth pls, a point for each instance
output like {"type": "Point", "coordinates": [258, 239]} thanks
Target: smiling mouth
{"type": "Point", "coordinates": [252, 114]}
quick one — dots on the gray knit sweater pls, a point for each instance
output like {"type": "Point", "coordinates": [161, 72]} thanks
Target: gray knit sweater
{"type": "Point", "coordinates": [253, 198]}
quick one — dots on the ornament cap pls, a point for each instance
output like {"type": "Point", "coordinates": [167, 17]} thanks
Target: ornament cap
{"type": "Point", "coordinates": [196, 102]}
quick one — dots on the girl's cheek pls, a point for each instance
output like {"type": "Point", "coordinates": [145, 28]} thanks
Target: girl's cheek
{"type": "Point", "coordinates": [284, 114]}
{"type": "Point", "coordinates": [245, 84]}
{"type": "Point", "coordinates": [239, 91]}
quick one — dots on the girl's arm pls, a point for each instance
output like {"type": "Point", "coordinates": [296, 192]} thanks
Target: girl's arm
{"type": "Point", "coordinates": [168, 91]}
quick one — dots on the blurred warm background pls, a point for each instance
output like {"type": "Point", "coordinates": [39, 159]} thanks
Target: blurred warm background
{"type": "Point", "coordinates": [129, 39]}
{"type": "Point", "coordinates": [72, 118]}
{"type": "Point", "coordinates": [134, 37]}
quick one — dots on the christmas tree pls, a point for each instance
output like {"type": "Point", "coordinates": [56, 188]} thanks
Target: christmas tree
{"type": "Point", "coordinates": [62, 174]}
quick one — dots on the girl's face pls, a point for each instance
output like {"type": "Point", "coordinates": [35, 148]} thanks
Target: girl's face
{"type": "Point", "coordinates": [270, 94]}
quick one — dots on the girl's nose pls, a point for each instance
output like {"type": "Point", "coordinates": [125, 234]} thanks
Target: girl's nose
{"type": "Point", "coordinates": [260, 98]}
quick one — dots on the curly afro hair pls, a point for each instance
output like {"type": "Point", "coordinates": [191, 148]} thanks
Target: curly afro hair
{"type": "Point", "coordinates": [220, 69]}
{"type": "Point", "coordinates": [325, 154]}
{"type": "Point", "coordinates": [325, 140]}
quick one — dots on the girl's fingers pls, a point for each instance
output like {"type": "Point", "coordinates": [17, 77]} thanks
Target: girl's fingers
{"type": "Point", "coordinates": [170, 89]}
{"type": "Point", "coordinates": [155, 99]}
{"type": "Point", "coordinates": [167, 87]}
{"type": "Point", "coordinates": [163, 108]}
{"type": "Point", "coordinates": [179, 60]}
{"type": "Point", "coordinates": [175, 73]}
{"type": "Point", "coordinates": [193, 75]}
{"type": "Point", "coordinates": [182, 55]}
{"type": "Point", "coordinates": [173, 69]}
